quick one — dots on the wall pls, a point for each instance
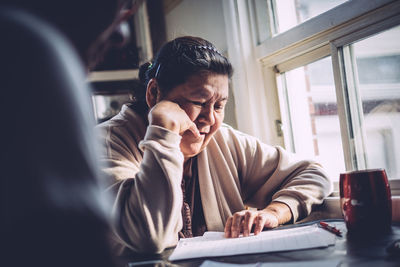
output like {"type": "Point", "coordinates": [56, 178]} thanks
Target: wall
{"type": "Point", "coordinates": [200, 18]}
{"type": "Point", "coordinates": [204, 19]}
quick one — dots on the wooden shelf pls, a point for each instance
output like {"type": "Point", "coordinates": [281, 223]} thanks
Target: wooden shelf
{"type": "Point", "coordinates": [113, 75]}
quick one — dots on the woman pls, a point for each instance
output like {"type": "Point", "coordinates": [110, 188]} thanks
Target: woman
{"type": "Point", "coordinates": [170, 147]}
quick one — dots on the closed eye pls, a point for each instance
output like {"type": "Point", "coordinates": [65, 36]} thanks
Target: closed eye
{"type": "Point", "coordinates": [198, 103]}
{"type": "Point", "coordinates": [219, 107]}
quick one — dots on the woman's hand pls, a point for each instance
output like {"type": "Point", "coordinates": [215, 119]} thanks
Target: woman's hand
{"type": "Point", "coordinates": [171, 116]}
{"type": "Point", "coordinates": [244, 221]}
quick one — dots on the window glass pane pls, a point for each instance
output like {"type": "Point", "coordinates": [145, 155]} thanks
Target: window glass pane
{"type": "Point", "coordinates": [262, 21]}
{"type": "Point", "coordinates": [314, 122]}
{"type": "Point", "coordinates": [378, 67]}
{"type": "Point", "coordinates": [290, 13]}
{"type": "Point", "coordinates": [107, 106]}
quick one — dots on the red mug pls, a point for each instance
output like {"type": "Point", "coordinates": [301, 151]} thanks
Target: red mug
{"type": "Point", "coordinates": [365, 201]}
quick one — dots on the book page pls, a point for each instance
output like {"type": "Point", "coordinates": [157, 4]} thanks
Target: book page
{"type": "Point", "coordinates": [316, 263]}
{"type": "Point", "coordinates": [213, 244]}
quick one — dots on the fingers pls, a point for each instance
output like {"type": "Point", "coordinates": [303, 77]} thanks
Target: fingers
{"type": "Point", "coordinates": [248, 222]}
{"type": "Point", "coordinates": [242, 223]}
{"type": "Point", "coordinates": [191, 126]}
{"type": "Point", "coordinates": [171, 116]}
{"type": "Point", "coordinates": [265, 220]}
{"type": "Point", "coordinates": [236, 224]}
{"type": "Point", "coordinates": [239, 223]}
{"type": "Point", "coordinates": [228, 226]}
{"type": "Point", "coordinates": [259, 224]}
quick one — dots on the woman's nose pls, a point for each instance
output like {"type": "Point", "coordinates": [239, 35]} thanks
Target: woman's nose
{"type": "Point", "coordinates": [207, 115]}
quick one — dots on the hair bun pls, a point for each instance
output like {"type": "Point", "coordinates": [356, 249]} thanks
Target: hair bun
{"type": "Point", "coordinates": [143, 71]}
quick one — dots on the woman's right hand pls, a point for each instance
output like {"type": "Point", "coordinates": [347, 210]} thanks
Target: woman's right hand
{"type": "Point", "coordinates": [171, 116]}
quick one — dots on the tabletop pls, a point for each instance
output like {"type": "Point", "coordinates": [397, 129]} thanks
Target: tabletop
{"type": "Point", "coordinates": [367, 250]}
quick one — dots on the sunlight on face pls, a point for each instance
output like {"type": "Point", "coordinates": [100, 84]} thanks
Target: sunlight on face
{"type": "Point", "coordinates": [203, 97]}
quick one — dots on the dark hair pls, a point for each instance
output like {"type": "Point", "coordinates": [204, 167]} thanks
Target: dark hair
{"type": "Point", "coordinates": [180, 58]}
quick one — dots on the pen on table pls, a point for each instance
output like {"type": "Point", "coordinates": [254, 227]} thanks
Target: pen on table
{"type": "Point", "coordinates": [330, 228]}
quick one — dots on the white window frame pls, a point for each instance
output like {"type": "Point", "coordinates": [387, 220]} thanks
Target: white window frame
{"type": "Point", "coordinates": [258, 64]}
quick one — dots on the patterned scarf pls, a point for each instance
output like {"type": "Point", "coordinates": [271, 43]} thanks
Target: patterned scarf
{"type": "Point", "coordinates": [192, 210]}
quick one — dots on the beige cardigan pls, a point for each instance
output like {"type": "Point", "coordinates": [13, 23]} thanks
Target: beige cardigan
{"type": "Point", "coordinates": [145, 166]}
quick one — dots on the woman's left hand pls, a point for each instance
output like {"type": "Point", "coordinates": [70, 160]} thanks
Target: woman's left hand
{"type": "Point", "coordinates": [242, 222]}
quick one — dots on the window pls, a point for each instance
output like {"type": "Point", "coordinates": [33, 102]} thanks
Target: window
{"type": "Point", "coordinates": [309, 98]}
{"type": "Point", "coordinates": [107, 106]}
{"type": "Point", "coordinates": [365, 134]}
{"type": "Point", "coordinates": [112, 89]}
{"type": "Point", "coordinates": [372, 68]}
{"type": "Point", "coordinates": [290, 13]}
{"type": "Point", "coordinates": [277, 16]}
{"type": "Point", "coordinates": [372, 74]}
{"type": "Point", "coordinates": [330, 79]}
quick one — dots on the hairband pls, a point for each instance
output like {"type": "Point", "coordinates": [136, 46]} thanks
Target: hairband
{"type": "Point", "coordinates": [158, 69]}
{"type": "Point", "coordinates": [208, 48]}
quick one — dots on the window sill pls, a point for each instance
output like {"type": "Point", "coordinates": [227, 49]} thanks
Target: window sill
{"type": "Point", "coordinates": [331, 209]}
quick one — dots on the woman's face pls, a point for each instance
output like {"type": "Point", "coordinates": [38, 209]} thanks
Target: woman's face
{"type": "Point", "coordinates": [203, 97]}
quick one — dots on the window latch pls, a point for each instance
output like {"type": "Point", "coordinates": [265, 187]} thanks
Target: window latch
{"type": "Point", "coordinates": [279, 128]}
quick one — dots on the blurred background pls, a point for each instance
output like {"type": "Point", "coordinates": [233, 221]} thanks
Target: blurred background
{"type": "Point", "coordinates": [320, 78]}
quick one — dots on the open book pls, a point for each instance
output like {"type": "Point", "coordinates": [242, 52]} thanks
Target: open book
{"type": "Point", "coordinates": [213, 244]}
